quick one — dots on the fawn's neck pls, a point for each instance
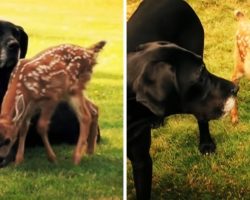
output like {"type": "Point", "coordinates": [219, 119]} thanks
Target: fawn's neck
{"type": "Point", "coordinates": [14, 102]}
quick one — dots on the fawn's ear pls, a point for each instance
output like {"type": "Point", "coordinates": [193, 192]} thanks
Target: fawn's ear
{"type": "Point", "coordinates": [239, 15]}
{"type": "Point", "coordinates": [19, 108]}
{"type": "Point", "coordinates": [98, 46]}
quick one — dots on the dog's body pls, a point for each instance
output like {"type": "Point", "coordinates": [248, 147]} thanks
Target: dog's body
{"type": "Point", "coordinates": [176, 22]}
{"type": "Point", "coordinates": [242, 55]}
{"type": "Point", "coordinates": [168, 20]}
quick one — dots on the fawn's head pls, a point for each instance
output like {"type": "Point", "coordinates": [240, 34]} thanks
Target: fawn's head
{"type": "Point", "coordinates": [7, 138]}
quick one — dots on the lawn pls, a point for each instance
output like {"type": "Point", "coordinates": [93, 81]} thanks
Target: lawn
{"type": "Point", "coordinates": [79, 22]}
{"type": "Point", "coordinates": [180, 171]}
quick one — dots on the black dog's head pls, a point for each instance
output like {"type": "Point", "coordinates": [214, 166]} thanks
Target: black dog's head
{"type": "Point", "coordinates": [13, 44]}
{"type": "Point", "coordinates": [168, 79]}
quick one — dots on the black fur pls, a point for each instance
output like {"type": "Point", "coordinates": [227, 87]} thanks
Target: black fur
{"type": "Point", "coordinates": [166, 78]}
{"type": "Point", "coordinates": [13, 45]}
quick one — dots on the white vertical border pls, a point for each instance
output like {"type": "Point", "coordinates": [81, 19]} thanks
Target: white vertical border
{"type": "Point", "coordinates": [124, 99]}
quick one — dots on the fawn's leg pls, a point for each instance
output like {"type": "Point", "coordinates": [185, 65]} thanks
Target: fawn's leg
{"type": "Point", "coordinates": [237, 74]}
{"type": "Point", "coordinates": [93, 127]}
{"type": "Point", "coordinates": [21, 143]}
{"type": "Point", "coordinates": [42, 128]}
{"type": "Point", "coordinates": [79, 104]}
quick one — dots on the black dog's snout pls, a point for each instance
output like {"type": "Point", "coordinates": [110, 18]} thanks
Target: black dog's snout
{"type": "Point", "coordinates": [13, 45]}
{"type": "Point", "coordinates": [235, 90]}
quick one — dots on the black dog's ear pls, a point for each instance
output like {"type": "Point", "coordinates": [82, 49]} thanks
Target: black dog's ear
{"type": "Point", "coordinates": [165, 70]}
{"type": "Point", "coordinates": [23, 41]}
{"type": "Point", "coordinates": [153, 86]}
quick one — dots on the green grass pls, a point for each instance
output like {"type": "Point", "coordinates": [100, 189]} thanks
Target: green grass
{"type": "Point", "coordinates": [180, 171]}
{"type": "Point", "coordinates": [79, 22]}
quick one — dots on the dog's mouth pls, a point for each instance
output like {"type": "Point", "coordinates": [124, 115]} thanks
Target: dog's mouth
{"type": "Point", "coordinates": [2, 63]}
{"type": "Point", "coordinates": [220, 110]}
{"type": "Point", "coordinates": [228, 105]}
{"type": "Point", "coordinates": [3, 58]}
{"type": "Point", "coordinates": [9, 58]}
{"type": "Point", "coordinates": [8, 62]}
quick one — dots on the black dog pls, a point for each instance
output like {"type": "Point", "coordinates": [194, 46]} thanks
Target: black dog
{"type": "Point", "coordinates": [64, 127]}
{"type": "Point", "coordinates": [13, 45]}
{"type": "Point", "coordinates": [165, 79]}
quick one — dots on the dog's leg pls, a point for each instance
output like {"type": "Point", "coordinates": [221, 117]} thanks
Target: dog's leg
{"type": "Point", "coordinates": [21, 143]}
{"type": "Point", "coordinates": [207, 144]}
{"type": "Point", "coordinates": [80, 107]}
{"type": "Point", "coordinates": [138, 153]}
{"type": "Point", "coordinates": [42, 129]}
{"type": "Point", "coordinates": [237, 74]}
{"type": "Point", "coordinates": [94, 129]}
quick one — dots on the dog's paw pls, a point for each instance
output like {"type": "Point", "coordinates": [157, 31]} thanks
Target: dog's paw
{"type": "Point", "coordinates": [19, 160]}
{"type": "Point", "coordinates": [207, 148]}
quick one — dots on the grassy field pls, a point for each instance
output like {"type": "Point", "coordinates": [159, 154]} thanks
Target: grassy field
{"type": "Point", "coordinates": [180, 171]}
{"type": "Point", "coordinates": [80, 22]}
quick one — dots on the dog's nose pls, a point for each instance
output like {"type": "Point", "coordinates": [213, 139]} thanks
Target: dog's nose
{"type": "Point", "coordinates": [235, 90]}
{"type": "Point", "coordinates": [12, 45]}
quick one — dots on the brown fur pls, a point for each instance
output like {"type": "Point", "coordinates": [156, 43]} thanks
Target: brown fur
{"type": "Point", "coordinates": [242, 55]}
{"type": "Point", "coordinates": [57, 74]}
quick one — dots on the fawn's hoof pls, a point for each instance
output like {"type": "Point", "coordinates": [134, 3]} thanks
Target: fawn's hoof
{"type": "Point", "coordinates": [90, 151]}
{"type": "Point", "coordinates": [52, 158]}
{"type": "Point", "coordinates": [18, 160]}
{"type": "Point", "coordinates": [235, 119]}
{"type": "Point", "coordinates": [77, 159]}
